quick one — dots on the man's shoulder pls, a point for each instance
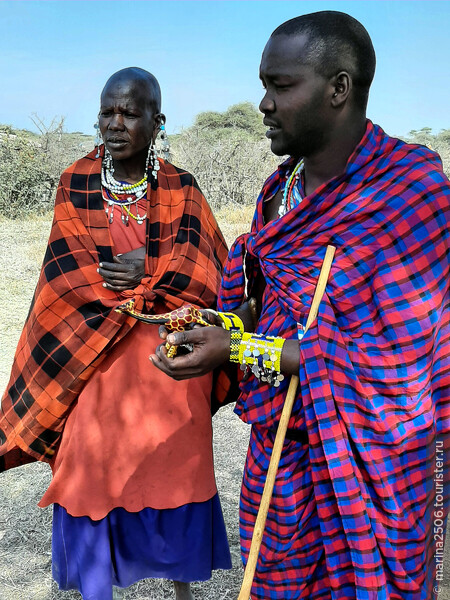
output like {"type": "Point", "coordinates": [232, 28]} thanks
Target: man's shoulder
{"type": "Point", "coordinates": [417, 156]}
{"type": "Point", "coordinates": [414, 166]}
{"type": "Point", "coordinates": [426, 165]}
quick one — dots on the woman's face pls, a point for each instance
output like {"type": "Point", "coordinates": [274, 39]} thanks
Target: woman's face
{"type": "Point", "coordinates": [127, 119]}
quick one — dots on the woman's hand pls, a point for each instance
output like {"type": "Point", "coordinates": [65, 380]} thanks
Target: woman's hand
{"type": "Point", "coordinates": [126, 272]}
{"type": "Point", "coordinates": [211, 349]}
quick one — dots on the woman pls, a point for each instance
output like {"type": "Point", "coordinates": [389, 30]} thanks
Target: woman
{"type": "Point", "coordinates": [131, 451]}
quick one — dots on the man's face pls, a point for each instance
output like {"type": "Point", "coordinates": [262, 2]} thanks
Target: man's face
{"type": "Point", "coordinates": [126, 119]}
{"type": "Point", "coordinates": [296, 104]}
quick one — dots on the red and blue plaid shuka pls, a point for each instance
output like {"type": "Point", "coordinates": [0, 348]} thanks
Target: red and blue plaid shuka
{"type": "Point", "coordinates": [354, 503]}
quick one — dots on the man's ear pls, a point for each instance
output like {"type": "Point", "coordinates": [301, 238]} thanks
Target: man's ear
{"type": "Point", "coordinates": [342, 85]}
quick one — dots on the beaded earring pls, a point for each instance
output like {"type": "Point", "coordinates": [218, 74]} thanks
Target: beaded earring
{"type": "Point", "coordinates": [98, 139]}
{"type": "Point", "coordinates": [108, 162]}
{"type": "Point", "coordinates": [165, 147]}
{"type": "Point", "coordinates": [152, 160]}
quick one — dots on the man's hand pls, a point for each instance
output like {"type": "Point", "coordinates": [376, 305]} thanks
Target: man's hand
{"type": "Point", "coordinates": [126, 272]}
{"type": "Point", "coordinates": [211, 349]}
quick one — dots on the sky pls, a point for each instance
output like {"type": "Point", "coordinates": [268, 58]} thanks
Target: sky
{"type": "Point", "coordinates": [56, 55]}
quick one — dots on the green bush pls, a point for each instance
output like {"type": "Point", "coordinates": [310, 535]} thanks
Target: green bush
{"type": "Point", "coordinates": [439, 142]}
{"type": "Point", "coordinates": [227, 153]}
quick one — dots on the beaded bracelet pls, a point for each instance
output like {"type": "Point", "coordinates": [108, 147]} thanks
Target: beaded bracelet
{"type": "Point", "coordinates": [262, 355]}
{"type": "Point", "coordinates": [228, 320]}
{"type": "Point", "coordinates": [235, 342]}
{"type": "Point", "coordinates": [231, 321]}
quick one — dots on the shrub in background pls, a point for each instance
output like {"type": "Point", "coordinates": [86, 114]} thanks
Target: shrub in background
{"type": "Point", "coordinates": [31, 165]}
{"type": "Point", "coordinates": [227, 152]}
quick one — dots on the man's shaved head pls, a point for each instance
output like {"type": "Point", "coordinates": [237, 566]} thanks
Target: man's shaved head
{"type": "Point", "coordinates": [147, 83]}
{"type": "Point", "coordinates": [336, 42]}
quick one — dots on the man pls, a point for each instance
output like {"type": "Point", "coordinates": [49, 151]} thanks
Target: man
{"type": "Point", "coordinates": [352, 509]}
{"type": "Point", "coordinates": [133, 485]}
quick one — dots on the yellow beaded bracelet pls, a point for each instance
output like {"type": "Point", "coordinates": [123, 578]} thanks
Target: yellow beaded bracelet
{"type": "Point", "coordinates": [231, 321]}
{"type": "Point", "coordinates": [235, 341]}
{"type": "Point", "coordinates": [262, 356]}
{"type": "Point", "coordinates": [228, 320]}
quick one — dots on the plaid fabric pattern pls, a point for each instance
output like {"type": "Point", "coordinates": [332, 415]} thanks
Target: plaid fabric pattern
{"type": "Point", "coordinates": [291, 547]}
{"type": "Point", "coordinates": [374, 371]}
{"type": "Point", "coordinates": [72, 321]}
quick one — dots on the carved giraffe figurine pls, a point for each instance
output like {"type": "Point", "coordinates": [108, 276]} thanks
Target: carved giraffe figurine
{"type": "Point", "coordinates": [179, 319]}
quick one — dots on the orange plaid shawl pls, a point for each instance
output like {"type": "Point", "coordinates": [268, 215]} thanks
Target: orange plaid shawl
{"type": "Point", "coordinates": [72, 321]}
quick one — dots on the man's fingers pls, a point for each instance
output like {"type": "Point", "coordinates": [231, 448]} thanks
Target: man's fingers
{"type": "Point", "coordinates": [126, 261]}
{"type": "Point", "coordinates": [116, 283]}
{"type": "Point", "coordinates": [118, 280]}
{"type": "Point", "coordinates": [210, 316]}
{"type": "Point", "coordinates": [179, 337]}
{"type": "Point", "coordinates": [159, 362]}
{"type": "Point", "coordinates": [162, 362]}
{"type": "Point", "coordinates": [163, 333]}
{"type": "Point", "coordinates": [189, 336]}
{"type": "Point", "coordinates": [116, 288]}
{"type": "Point", "coordinates": [183, 363]}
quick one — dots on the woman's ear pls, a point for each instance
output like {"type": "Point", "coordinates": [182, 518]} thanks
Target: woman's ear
{"type": "Point", "coordinates": [160, 119]}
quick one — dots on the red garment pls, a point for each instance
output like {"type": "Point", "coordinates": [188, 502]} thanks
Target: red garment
{"type": "Point", "coordinates": [165, 459]}
{"type": "Point", "coordinates": [136, 438]}
{"type": "Point", "coordinates": [72, 324]}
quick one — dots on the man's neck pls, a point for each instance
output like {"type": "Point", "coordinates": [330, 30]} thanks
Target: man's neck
{"type": "Point", "coordinates": [331, 161]}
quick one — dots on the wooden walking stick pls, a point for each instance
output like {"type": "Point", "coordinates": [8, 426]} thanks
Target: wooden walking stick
{"type": "Point", "coordinates": [260, 523]}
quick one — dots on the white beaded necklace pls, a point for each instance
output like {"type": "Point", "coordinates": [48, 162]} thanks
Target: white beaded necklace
{"type": "Point", "coordinates": [125, 205]}
{"type": "Point", "coordinates": [118, 187]}
{"type": "Point", "coordinates": [136, 190]}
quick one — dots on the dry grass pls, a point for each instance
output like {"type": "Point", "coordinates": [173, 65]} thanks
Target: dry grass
{"type": "Point", "coordinates": [234, 220]}
{"type": "Point", "coordinates": [25, 530]}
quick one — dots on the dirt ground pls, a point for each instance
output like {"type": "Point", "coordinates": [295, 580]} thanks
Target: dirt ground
{"type": "Point", "coordinates": [25, 530]}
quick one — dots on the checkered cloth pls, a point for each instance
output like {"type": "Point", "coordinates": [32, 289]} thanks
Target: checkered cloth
{"type": "Point", "coordinates": [72, 322]}
{"type": "Point", "coordinates": [353, 517]}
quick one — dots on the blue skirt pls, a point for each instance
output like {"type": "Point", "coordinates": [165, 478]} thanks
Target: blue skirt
{"type": "Point", "coordinates": [180, 544]}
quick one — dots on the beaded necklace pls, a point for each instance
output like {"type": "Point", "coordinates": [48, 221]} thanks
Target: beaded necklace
{"type": "Point", "coordinates": [291, 193]}
{"type": "Point", "coordinates": [125, 204]}
{"type": "Point", "coordinates": [122, 187]}
{"type": "Point", "coordinates": [112, 189]}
